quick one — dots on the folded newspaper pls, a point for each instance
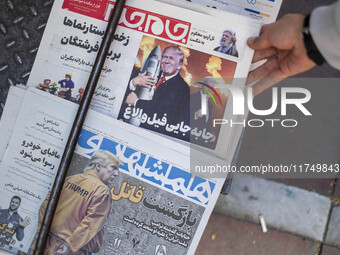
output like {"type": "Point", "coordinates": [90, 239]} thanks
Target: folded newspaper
{"type": "Point", "coordinates": [131, 187]}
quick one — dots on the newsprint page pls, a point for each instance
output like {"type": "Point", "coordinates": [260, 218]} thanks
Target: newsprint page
{"type": "Point", "coordinates": [130, 86]}
{"type": "Point", "coordinates": [154, 203]}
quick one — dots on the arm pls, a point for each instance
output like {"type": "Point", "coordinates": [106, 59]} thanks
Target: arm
{"type": "Point", "coordinates": [42, 210]}
{"type": "Point", "coordinates": [92, 247]}
{"type": "Point", "coordinates": [92, 223]}
{"type": "Point", "coordinates": [41, 214]}
{"type": "Point", "coordinates": [96, 242]}
{"type": "Point", "coordinates": [19, 233]}
{"type": "Point", "coordinates": [325, 30]}
{"type": "Point", "coordinates": [142, 81]}
{"type": "Point", "coordinates": [139, 81]}
{"type": "Point", "coordinates": [71, 84]}
{"type": "Point", "coordinates": [172, 101]}
{"type": "Point", "coordinates": [282, 45]}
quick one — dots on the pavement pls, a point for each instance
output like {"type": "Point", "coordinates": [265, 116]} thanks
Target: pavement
{"type": "Point", "coordinates": [299, 221]}
{"type": "Point", "coordinates": [225, 235]}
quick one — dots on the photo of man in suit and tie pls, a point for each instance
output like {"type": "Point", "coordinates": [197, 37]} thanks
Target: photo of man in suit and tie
{"type": "Point", "coordinates": [165, 90]}
{"type": "Point", "coordinates": [169, 95]}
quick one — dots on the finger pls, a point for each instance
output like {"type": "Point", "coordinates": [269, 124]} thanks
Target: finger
{"type": "Point", "coordinates": [147, 86]}
{"type": "Point", "coordinates": [150, 83]}
{"type": "Point", "coordinates": [150, 79]}
{"type": "Point", "coordinates": [144, 73]}
{"type": "Point", "coordinates": [259, 43]}
{"type": "Point", "coordinates": [264, 54]}
{"type": "Point", "coordinates": [262, 71]}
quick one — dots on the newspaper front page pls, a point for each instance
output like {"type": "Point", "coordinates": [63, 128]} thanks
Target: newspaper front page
{"type": "Point", "coordinates": [130, 87]}
{"type": "Point", "coordinates": [153, 204]}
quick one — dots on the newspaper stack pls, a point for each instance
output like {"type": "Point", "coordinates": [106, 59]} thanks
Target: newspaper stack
{"type": "Point", "coordinates": [167, 78]}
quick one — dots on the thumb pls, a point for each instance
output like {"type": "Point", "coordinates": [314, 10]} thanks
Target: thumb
{"type": "Point", "coordinates": [259, 43]}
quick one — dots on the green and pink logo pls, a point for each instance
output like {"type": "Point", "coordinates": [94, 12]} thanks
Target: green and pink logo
{"type": "Point", "coordinates": [206, 88]}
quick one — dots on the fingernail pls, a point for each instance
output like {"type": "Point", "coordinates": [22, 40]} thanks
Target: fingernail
{"type": "Point", "coordinates": [251, 40]}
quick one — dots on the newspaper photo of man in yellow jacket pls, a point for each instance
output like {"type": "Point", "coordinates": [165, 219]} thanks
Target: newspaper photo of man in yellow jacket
{"type": "Point", "coordinates": [83, 208]}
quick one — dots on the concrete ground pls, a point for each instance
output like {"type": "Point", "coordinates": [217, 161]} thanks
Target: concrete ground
{"type": "Point", "coordinates": [299, 221]}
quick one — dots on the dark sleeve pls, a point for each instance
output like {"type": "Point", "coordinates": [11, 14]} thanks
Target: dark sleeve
{"type": "Point", "coordinates": [19, 232]}
{"type": "Point", "coordinates": [173, 104]}
{"type": "Point", "coordinates": [71, 84]}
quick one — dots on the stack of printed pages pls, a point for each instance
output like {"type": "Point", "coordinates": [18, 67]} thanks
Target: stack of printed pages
{"type": "Point", "coordinates": [138, 181]}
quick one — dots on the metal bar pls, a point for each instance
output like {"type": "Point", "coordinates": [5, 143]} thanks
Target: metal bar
{"type": "Point", "coordinates": [77, 126]}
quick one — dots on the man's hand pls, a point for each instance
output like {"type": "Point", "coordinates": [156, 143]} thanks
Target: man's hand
{"type": "Point", "coordinates": [281, 43]}
{"type": "Point", "coordinates": [24, 223]}
{"type": "Point", "coordinates": [62, 250]}
{"type": "Point", "coordinates": [143, 81]}
{"type": "Point", "coordinates": [131, 99]}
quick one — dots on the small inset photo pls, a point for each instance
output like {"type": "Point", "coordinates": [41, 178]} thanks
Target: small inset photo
{"type": "Point", "coordinates": [228, 43]}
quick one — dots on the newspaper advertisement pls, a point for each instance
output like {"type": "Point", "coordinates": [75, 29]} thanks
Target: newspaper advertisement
{"type": "Point", "coordinates": [160, 57]}
{"type": "Point", "coordinates": [146, 202]}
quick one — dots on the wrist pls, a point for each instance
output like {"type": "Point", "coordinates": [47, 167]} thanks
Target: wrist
{"type": "Point", "coordinates": [134, 83]}
{"type": "Point", "coordinates": [313, 52]}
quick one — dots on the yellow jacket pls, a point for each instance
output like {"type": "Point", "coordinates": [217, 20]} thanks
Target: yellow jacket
{"type": "Point", "coordinates": [83, 207]}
